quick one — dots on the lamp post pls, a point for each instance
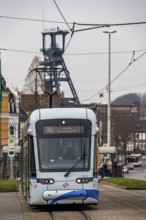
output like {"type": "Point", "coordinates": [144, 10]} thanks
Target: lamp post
{"type": "Point", "coordinates": [109, 90]}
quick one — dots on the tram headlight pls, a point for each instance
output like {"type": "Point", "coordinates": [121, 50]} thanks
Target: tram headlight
{"type": "Point", "coordinates": [82, 180]}
{"type": "Point", "coordinates": [51, 181]}
{"type": "Point", "coordinates": [46, 181]}
{"type": "Point", "coordinates": [78, 180]}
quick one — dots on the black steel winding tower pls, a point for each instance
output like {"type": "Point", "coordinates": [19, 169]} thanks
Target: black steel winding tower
{"type": "Point", "coordinates": [54, 66]}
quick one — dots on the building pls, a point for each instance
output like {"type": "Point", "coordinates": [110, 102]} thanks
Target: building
{"type": "Point", "coordinates": [121, 115]}
{"type": "Point", "coordinates": [141, 137]}
{"type": "Point", "coordinates": [4, 120]}
{"type": "Point", "coordinates": [4, 116]}
{"type": "Point", "coordinates": [30, 102]}
{"type": "Point", "coordinates": [10, 116]}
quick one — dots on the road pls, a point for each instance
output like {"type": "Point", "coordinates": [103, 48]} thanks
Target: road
{"type": "Point", "coordinates": [118, 204]}
{"type": "Point", "coordinates": [138, 172]}
{"type": "Point", "coordinates": [114, 204]}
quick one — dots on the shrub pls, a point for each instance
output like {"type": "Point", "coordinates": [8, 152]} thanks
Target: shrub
{"type": "Point", "coordinates": [9, 185]}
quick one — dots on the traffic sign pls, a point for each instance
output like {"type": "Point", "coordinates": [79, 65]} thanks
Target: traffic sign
{"type": "Point", "coordinates": [11, 142]}
{"type": "Point", "coordinates": [11, 152]}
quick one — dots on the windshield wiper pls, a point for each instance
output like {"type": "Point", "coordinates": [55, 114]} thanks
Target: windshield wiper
{"type": "Point", "coordinates": [76, 163]}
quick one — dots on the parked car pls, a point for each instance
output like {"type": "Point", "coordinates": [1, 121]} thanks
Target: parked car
{"type": "Point", "coordinates": [130, 166]}
{"type": "Point", "coordinates": [125, 169]}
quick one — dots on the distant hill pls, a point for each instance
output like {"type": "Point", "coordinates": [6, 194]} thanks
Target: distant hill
{"type": "Point", "coordinates": [128, 99]}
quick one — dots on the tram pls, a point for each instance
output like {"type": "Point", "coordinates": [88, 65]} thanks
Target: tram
{"type": "Point", "coordinates": [48, 177]}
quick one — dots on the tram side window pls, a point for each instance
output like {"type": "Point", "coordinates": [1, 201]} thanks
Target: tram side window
{"type": "Point", "coordinates": [31, 157]}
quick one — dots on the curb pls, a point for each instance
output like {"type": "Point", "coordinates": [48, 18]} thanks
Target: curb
{"type": "Point", "coordinates": [120, 187]}
{"type": "Point", "coordinates": [5, 191]}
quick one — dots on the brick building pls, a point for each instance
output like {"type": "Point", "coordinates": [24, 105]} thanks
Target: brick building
{"type": "Point", "coordinates": [119, 113]}
{"type": "Point", "coordinates": [30, 102]}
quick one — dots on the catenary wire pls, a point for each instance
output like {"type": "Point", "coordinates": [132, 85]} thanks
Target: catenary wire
{"type": "Point", "coordinates": [112, 24]}
{"type": "Point", "coordinates": [65, 23]}
{"type": "Point", "coordinates": [73, 54]}
{"type": "Point", "coordinates": [19, 51]}
{"type": "Point", "coordinates": [131, 62]}
{"type": "Point", "coordinates": [75, 23]}
{"type": "Point", "coordinates": [99, 25]}
{"type": "Point", "coordinates": [62, 15]}
{"type": "Point", "coordinates": [33, 19]}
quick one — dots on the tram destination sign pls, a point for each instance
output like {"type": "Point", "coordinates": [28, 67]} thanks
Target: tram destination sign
{"type": "Point", "coordinates": [63, 130]}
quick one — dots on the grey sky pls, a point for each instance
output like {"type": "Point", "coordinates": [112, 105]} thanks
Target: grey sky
{"type": "Point", "coordinates": [88, 72]}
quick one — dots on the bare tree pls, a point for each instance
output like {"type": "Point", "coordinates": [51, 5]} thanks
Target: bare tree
{"type": "Point", "coordinates": [33, 82]}
{"type": "Point", "coordinates": [123, 130]}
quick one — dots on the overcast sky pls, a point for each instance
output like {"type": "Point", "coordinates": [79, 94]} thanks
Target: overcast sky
{"type": "Point", "coordinates": [87, 54]}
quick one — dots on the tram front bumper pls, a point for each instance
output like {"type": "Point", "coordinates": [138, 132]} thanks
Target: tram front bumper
{"type": "Point", "coordinates": [54, 197]}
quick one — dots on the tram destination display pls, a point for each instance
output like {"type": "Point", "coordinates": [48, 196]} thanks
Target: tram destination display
{"type": "Point", "coordinates": [63, 129]}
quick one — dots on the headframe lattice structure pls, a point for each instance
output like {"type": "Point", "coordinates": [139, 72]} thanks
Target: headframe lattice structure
{"type": "Point", "coordinates": [54, 68]}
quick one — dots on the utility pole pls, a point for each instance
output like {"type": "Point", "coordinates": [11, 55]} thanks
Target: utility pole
{"type": "Point", "coordinates": [109, 90]}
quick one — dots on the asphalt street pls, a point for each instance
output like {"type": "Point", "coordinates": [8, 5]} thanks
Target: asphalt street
{"type": "Point", "coordinates": [138, 172]}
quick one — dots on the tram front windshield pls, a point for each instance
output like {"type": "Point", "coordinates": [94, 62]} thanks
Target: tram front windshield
{"type": "Point", "coordinates": [63, 144]}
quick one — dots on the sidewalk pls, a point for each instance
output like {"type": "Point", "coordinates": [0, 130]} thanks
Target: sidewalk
{"type": "Point", "coordinates": [10, 207]}
{"type": "Point", "coordinates": [13, 206]}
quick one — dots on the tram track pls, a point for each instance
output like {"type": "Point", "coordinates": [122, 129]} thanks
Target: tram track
{"type": "Point", "coordinates": [63, 213]}
{"type": "Point", "coordinates": [133, 199]}
{"type": "Point", "coordinates": [115, 204]}
{"type": "Point", "coordinates": [136, 202]}
{"type": "Point", "coordinates": [76, 215]}
{"type": "Point", "coordinates": [129, 199]}
{"type": "Point", "coordinates": [135, 194]}
{"type": "Point", "coordinates": [133, 206]}
{"type": "Point", "coordinates": [71, 214]}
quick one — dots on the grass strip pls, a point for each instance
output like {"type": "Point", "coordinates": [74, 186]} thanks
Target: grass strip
{"type": "Point", "coordinates": [8, 185]}
{"type": "Point", "coordinates": [127, 182]}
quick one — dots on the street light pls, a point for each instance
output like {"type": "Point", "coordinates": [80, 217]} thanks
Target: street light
{"type": "Point", "coordinates": [109, 90]}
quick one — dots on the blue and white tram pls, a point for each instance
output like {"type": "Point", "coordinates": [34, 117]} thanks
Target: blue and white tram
{"type": "Point", "coordinates": [47, 178]}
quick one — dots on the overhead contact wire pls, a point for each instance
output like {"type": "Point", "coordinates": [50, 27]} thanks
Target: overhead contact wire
{"type": "Point", "coordinates": [131, 62]}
